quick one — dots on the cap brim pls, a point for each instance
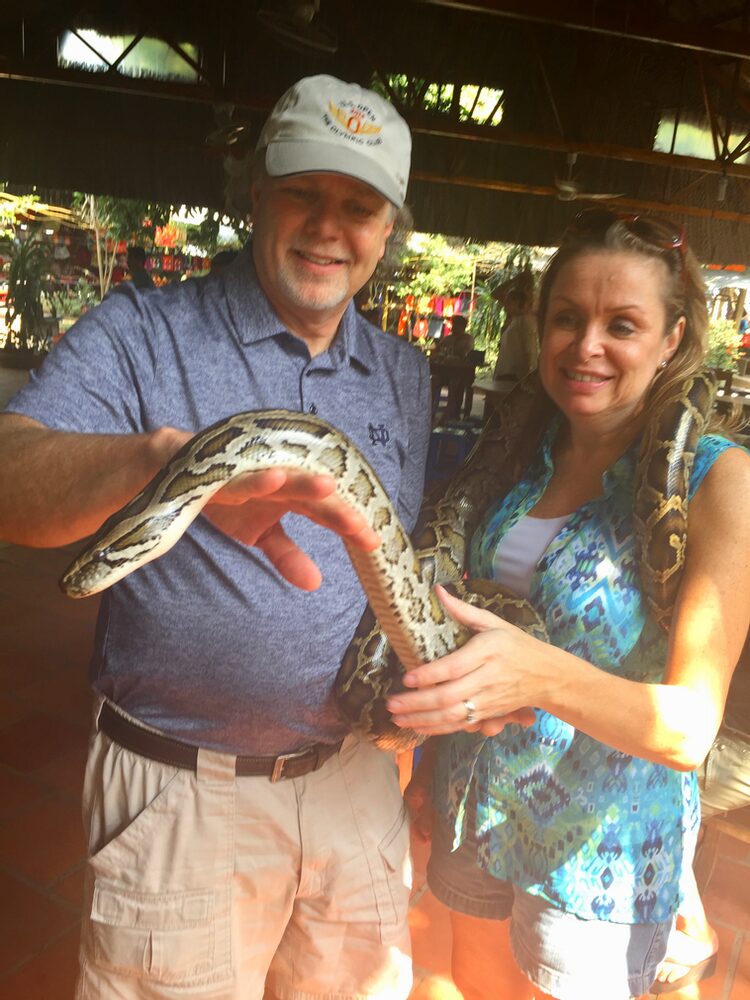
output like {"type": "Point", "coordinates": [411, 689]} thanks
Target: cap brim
{"type": "Point", "coordinates": [286, 158]}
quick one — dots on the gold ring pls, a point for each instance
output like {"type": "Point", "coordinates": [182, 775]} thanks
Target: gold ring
{"type": "Point", "coordinates": [471, 711]}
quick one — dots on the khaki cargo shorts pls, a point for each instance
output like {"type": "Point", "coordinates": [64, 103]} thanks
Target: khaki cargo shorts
{"type": "Point", "coordinates": [201, 884]}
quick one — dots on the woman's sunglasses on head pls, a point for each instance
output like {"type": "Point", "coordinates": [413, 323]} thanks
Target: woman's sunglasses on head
{"type": "Point", "coordinates": [650, 229]}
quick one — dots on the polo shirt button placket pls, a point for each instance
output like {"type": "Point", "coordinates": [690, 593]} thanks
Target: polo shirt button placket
{"type": "Point", "coordinates": [311, 408]}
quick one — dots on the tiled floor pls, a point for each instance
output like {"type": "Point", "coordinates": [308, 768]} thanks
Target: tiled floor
{"type": "Point", "coordinates": [44, 705]}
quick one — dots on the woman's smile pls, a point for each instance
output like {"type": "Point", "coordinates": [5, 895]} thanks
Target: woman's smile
{"type": "Point", "coordinates": [605, 337]}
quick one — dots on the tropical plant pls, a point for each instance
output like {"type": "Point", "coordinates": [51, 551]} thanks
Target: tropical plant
{"type": "Point", "coordinates": [27, 279]}
{"type": "Point", "coordinates": [71, 301]}
{"type": "Point", "coordinates": [435, 265]}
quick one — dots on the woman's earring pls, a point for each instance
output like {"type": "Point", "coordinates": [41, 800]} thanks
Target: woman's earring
{"type": "Point", "coordinates": [662, 364]}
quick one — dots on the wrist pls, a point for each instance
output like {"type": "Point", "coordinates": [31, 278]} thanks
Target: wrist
{"type": "Point", "coordinates": [544, 681]}
{"type": "Point", "coordinates": [161, 446]}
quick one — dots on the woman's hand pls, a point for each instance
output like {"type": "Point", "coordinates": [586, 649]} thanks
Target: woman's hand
{"type": "Point", "coordinates": [490, 677]}
{"type": "Point", "coordinates": [250, 508]}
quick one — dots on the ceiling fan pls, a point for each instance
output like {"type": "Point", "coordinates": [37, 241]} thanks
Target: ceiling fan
{"type": "Point", "coordinates": [568, 188]}
{"type": "Point", "coordinates": [230, 133]}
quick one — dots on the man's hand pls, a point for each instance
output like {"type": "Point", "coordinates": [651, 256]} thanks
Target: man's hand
{"type": "Point", "coordinates": [250, 509]}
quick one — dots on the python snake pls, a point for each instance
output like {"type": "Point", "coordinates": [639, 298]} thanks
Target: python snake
{"type": "Point", "coordinates": [405, 624]}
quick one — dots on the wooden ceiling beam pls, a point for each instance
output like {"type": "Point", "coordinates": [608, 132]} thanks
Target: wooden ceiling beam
{"type": "Point", "coordinates": [420, 122]}
{"type": "Point", "coordinates": [510, 187]}
{"type": "Point", "coordinates": [619, 19]}
{"type": "Point", "coordinates": [433, 125]}
{"type": "Point", "coordinates": [194, 93]}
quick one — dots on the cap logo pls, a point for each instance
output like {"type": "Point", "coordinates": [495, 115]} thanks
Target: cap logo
{"type": "Point", "coordinates": [353, 121]}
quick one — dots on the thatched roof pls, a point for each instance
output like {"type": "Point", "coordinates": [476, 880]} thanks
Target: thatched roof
{"type": "Point", "coordinates": [581, 82]}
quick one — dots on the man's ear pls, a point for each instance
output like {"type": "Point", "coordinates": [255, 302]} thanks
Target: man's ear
{"type": "Point", "coordinates": [387, 232]}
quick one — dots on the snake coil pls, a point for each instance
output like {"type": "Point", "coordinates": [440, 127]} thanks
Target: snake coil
{"type": "Point", "coordinates": [405, 624]}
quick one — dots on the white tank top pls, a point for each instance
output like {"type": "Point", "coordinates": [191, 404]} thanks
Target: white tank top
{"type": "Point", "coordinates": [519, 552]}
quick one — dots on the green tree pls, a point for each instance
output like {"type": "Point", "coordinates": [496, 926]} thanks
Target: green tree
{"type": "Point", "coordinates": [114, 219]}
{"type": "Point", "coordinates": [435, 265]}
{"type": "Point", "coordinates": [723, 345]}
{"type": "Point", "coordinates": [430, 265]}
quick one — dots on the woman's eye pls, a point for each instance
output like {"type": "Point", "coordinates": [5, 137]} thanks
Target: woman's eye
{"type": "Point", "coordinates": [567, 320]}
{"type": "Point", "coordinates": [621, 327]}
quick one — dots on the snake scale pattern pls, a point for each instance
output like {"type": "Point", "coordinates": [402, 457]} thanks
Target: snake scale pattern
{"type": "Point", "coordinates": [405, 624]}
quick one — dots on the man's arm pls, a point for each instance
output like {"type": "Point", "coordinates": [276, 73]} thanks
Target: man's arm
{"type": "Point", "coordinates": [59, 486]}
{"type": "Point", "coordinates": [63, 486]}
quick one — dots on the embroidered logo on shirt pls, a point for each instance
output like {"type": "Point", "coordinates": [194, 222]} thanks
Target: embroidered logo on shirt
{"type": "Point", "coordinates": [379, 434]}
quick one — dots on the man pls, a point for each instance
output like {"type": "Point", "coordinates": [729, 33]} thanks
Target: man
{"type": "Point", "coordinates": [222, 856]}
{"type": "Point", "coordinates": [450, 366]}
{"type": "Point", "coordinates": [137, 266]}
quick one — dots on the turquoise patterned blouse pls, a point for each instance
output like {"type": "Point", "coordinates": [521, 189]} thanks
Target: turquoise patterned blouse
{"type": "Point", "coordinates": [594, 831]}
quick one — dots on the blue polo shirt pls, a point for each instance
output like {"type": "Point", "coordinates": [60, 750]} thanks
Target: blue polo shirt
{"type": "Point", "coordinates": [208, 643]}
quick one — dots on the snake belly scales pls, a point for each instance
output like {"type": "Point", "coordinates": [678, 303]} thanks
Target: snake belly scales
{"type": "Point", "coordinates": [405, 624]}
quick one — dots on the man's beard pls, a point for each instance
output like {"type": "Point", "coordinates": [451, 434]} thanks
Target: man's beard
{"type": "Point", "coordinates": [309, 293]}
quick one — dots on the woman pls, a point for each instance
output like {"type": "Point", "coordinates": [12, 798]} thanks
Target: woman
{"type": "Point", "coordinates": [577, 826]}
{"type": "Point", "coordinates": [519, 343]}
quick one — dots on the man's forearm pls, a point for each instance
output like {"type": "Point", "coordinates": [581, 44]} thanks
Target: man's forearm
{"type": "Point", "coordinates": [59, 487]}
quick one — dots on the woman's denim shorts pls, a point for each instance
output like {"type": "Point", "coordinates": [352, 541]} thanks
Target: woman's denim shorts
{"type": "Point", "coordinates": [563, 955]}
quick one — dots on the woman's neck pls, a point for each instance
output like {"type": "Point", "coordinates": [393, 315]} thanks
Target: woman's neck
{"type": "Point", "coordinates": [595, 444]}
{"type": "Point", "coordinates": [580, 457]}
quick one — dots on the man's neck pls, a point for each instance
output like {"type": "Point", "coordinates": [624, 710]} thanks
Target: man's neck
{"type": "Point", "coordinates": [316, 327]}
{"type": "Point", "coordinates": [317, 333]}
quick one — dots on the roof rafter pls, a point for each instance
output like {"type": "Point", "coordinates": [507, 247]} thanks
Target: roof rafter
{"type": "Point", "coordinates": [618, 20]}
{"type": "Point", "coordinates": [663, 208]}
{"type": "Point", "coordinates": [419, 122]}
{"type": "Point", "coordinates": [433, 125]}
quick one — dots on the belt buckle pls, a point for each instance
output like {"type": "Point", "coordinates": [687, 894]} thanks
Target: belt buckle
{"type": "Point", "coordinates": [280, 763]}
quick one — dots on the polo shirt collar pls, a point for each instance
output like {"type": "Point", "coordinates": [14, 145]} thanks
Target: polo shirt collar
{"type": "Point", "coordinates": [255, 319]}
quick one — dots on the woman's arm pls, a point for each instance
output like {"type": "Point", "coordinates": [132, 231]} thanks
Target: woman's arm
{"type": "Point", "coordinates": [502, 668]}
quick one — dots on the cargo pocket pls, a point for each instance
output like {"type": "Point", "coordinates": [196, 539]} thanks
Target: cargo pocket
{"type": "Point", "coordinates": [394, 855]}
{"type": "Point", "coordinates": [159, 881]}
{"type": "Point", "coordinates": [165, 937]}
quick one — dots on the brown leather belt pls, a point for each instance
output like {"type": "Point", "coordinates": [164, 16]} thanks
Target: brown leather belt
{"type": "Point", "coordinates": [156, 746]}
